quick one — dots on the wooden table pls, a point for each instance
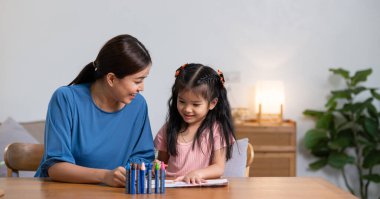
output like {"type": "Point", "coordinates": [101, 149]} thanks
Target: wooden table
{"type": "Point", "coordinates": [257, 188]}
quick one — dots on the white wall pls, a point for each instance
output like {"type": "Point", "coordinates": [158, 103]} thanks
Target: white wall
{"type": "Point", "coordinates": [44, 44]}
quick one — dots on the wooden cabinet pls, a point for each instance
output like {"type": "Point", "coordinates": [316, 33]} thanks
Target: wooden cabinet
{"type": "Point", "coordinates": [274, 145]}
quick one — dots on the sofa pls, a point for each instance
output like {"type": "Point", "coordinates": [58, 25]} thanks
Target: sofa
{"type": "Point", "coordinates": [36, 129]}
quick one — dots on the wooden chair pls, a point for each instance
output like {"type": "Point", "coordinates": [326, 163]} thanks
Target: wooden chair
{"type": "Point", "coordinates": [250, 155]}
{"type": "Point", "coordinates": [22, 157]}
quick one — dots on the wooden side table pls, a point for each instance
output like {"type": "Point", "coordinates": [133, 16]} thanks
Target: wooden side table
{"type": "Point", "coordinates": [274, 145]}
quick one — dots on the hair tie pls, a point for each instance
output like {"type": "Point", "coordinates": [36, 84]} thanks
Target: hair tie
{"type": "Point", "coordinates": [221, 76]}
{"type": "Point", "coordinates": [178, 71]}
{"type": "Point", "coordinates": [94, 65]}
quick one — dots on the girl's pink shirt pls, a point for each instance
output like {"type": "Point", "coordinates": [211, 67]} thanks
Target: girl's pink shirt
{"type": "Point", "coordinates": [187, 159]}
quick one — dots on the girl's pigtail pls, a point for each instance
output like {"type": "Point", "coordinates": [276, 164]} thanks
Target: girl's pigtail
{"type": "Point", "coordinates": [221, 77]}
{"type": "Point", "coordinates": [178, 71]}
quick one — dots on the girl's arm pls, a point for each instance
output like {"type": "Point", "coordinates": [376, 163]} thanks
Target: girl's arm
{"type": "Point", "coordinates": [67, 172]}
{"type": "Point", "coordinates": [163, 156]}
{"type": "Point", "coordinates": [215, 170]}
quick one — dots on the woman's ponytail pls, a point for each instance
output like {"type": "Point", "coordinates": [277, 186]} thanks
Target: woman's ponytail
{"type": "Point", "coordinates": [87, 75]}
{"type": "Point", "coordinates": [122, 55]}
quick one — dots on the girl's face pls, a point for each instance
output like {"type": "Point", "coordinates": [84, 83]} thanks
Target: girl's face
{"type": "Point", "coordinates": [125, 89]}
{"type": "Point", "coordinates": [192, 107]}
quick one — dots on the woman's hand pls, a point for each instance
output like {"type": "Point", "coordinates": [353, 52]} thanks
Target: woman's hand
{"type": "Point", "coordinates": [115, 178]}
{"type": "Point", "coordinates": [191, 178]}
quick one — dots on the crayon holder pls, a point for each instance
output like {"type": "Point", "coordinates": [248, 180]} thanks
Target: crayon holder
{"type": "Point", "coordinates": [139, 178]}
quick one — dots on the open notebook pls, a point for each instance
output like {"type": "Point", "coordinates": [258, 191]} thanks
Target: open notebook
{"type": "Point", "coordinates": [216, 182]}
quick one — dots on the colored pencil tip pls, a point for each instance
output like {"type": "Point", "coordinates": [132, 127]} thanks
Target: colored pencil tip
{"type": "Point", "coordinates": [162, 166]}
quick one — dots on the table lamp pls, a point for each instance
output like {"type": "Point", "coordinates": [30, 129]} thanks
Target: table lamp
{"type": "Point", "coordinates": [270, 98]}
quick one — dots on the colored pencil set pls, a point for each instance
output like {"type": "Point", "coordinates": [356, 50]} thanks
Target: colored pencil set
{"type": "Point", "coordinates": [139, 178]}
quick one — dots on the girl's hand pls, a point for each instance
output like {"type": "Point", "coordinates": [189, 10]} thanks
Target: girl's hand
{"type": "Point", "coordinates": [191, 178]}
{"type": "Point", "coordinates": [154, 166]}
{"type": "Point", "coordinates": [115, 178]}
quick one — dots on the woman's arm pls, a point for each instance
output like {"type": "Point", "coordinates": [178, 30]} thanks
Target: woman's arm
{"type": "Point", "coordinates": [67, 172]}
{"type": "Point", "coordinates": [215, 170]}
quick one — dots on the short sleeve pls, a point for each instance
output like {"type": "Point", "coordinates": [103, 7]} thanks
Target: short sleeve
{"type": "Point", "coordinates": [160, 140]}
{"type": "Point", "coordinates": [57, 132]}
{"type": "Point", "coordinates": [144, 149]}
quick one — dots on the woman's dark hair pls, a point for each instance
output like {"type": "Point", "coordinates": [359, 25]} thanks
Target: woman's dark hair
{"type": "Point", "coordinates": [122, 55]}
{"type": "Point", "coordinates": [206, 82]}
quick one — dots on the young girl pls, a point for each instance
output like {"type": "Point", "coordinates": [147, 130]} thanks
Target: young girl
{"type": "Point", "coordinates": [198, 135]}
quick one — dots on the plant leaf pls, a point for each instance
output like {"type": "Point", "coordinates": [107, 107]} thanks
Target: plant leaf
{"type": "Point", "coordinates": [372, 111]}
{"type": "Point", "coordinates": [347, 108]}
{"type": "Point", "coordinates": [372, 159]}
{"type": "Point", "coordinates": [321, 150]}
{"type": "Point", "coordinates": [345, 125]}
{"type": "Point", "coordinates": [345, 115]}
{"type": "Point", "coordinates": [367, 149]}
{"type": "Point", "coordinates": [339, 71]}
{"type": "Point", "coordinates": [372, 177]}
{"type": "Point", "coordinates": [371, 126]}
{"type": "Point", "coordinates": [339, 159]}
{"type": "Point", "coordinates": [313, 113]}
{"type": "Point", "coordinates": [344, 139]}
{"type": "Point", "coordinates": [360, 76]}
{"type": "Point", "coordinates": [375, 94]}
{"type": "Point", "coordinates": [357, 107]}
{"type": "Point", "coordinates": [358, 90]}
{"type": "Point", "coordinates": [325, 121]}
{"type": "Point", "coordinates": [318, 164]}
{"type": "Point", "coordinates": [332, 106]}
{"type": "Point", "coordinates": [331, 103]}
{"type": "Point", "coordinates": [339, 94]}
{"type": "Point", "coordinates": [364, 141]}
{"type": "Point", "coordinates": [313, 137]}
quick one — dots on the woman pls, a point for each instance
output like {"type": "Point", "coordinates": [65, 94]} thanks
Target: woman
{"type": "Point", "coordinates": [99, 122]}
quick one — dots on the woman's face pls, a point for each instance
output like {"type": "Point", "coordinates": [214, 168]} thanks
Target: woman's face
{"type": "Point", "coordinates": [125, 89]}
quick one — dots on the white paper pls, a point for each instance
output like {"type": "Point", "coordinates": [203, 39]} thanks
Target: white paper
{"type": "Point", "coordinates": [216, 182]}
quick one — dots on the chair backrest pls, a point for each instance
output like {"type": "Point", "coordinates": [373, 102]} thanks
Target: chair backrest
{"type": "Point", "coordinates": [250, 155]}
{"type": "Point", "coordinates": [242, 158]}
{"type": "Point", "coordinates": [22, 157]}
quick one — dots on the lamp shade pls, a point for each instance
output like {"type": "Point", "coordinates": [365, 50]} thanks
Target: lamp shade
{"type": "Point", "coordinates": [270, 97]}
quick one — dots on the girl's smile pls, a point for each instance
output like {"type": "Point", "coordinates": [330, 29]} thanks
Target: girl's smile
{"type": "Point", "coordinates": [192, 107]}
{"type": "Point", "coordinates": [187, 118]}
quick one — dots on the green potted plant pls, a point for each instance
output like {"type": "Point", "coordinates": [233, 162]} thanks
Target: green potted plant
{"type": "Point", "coordinates": [348, 131]}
